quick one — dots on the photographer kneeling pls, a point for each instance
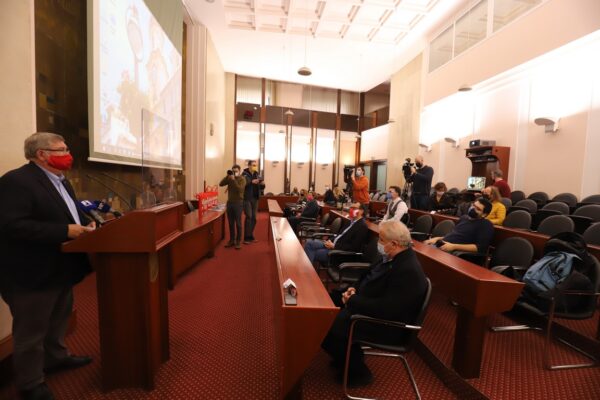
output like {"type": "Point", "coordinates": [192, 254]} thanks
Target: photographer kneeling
{"type": "Point", "coordinates": [236, 185]}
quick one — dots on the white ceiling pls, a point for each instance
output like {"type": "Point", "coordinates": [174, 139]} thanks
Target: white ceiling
{"type": "Point", "coordinates": [348, 44]}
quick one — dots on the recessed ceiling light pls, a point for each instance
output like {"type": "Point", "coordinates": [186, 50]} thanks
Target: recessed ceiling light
{"type": "Point", "coordinates": [304, 71]}
{"type": "Point", "coordinates": [465, 88]}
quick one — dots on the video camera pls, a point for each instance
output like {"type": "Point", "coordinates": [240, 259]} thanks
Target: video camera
{"type": "Point", "coordinates": [406, 168]}
{"type": "Point", "coordinates": [229, 172]}
{"type": "Point", "coordinates": [348, 171]}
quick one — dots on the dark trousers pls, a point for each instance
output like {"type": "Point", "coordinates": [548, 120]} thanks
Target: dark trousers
{"type": "Point", "coordinates": [250, 210]}
{"type": "Point", "coordinates": [336, 341]}
{"type": "Point", "coordinates": [234, 216]}
{"type": "Point", "coordinates": [420, 201]}
{"type": "Point", "coordinates": [40, 320]}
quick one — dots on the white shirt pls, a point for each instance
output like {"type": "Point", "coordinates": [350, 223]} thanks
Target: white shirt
{"type": "Point", "coordinates": [400, 210]}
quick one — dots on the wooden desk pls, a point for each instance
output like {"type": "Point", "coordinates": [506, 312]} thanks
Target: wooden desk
{"type": "Point", "coordinates": [282, 200]}
{"type": "Point", "coordinates": [538, 240]}
{"type": "Point", "coordinates": [275, 209]}
{"type": "Point", "coordinates": [479, 293]}
{"type": "Point", "coordinates": [200, 237]}
{"type": "Point", "coordinates": [300, 328]}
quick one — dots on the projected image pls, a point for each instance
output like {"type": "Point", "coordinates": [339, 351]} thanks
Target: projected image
{"type": "Point", "coordinates": [476, 183]}
{"type": "Point", "coordinates": [138, 71]}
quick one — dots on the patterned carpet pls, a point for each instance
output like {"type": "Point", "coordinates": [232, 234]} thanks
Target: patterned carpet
{"type": "Point", "coordinates": [222, 346]}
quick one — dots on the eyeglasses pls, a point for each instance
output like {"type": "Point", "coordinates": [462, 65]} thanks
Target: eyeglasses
{"type": "Point", "coordinates": [64, 150]}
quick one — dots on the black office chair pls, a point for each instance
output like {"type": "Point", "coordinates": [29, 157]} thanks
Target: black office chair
{"type": "Point", "coordinates": [518, 219]}
{"type": "Point", "coordinates": [568, 198]}
{"type": "Point", "coordinates": [507, 202]}
{"type": "Point", "coordinates": [442, 228]}
{"type": "Point", "coordinates": [541, 198]}
{"type": "Point", "coordinates": [526, 205]}
{"type": "Point", "coordinates": [556, 224]}
{"type": "Point", "coordinates": [585, 309]}
{"type": "Point", "coordinates": [515, 253]}
{"type": "Point", "coordinates": [592, 234]}
{"type": "Point", "coordinates": [585, 216]}
{"type": "Point", "coordinates": [306, 227]}
{"type": "Point", "coordinates": [593, 199]}
{"type": "Point", "coordinates": [422, 227]}
{"type": "Point", "coordinates": [387, 350]}
{"type": "Point", "coordinates": [328, 232]}
{"type": "Point", "coordinates": [516, 196]}
{"type": "Point", "coordinates": [550, 209]}
{"type": "Point", "coordinates": [347, 267]}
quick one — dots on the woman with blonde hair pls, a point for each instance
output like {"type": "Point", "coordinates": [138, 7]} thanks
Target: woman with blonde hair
{"type": "Point", "coordinates": [498, 213]}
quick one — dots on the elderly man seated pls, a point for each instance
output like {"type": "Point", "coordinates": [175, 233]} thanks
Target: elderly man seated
{"type": "Point", "coordinates": [351, 239]}
{"type": "Point", "coordinates": [393, 289]}
{"type": "Point", "coordinates": [473, 232]}
{"type": "Point", "coordinates": [310, 210]}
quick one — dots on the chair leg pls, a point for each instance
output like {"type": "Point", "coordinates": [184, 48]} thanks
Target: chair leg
{"type": "Point", "coordinates": [547, 342]}
{"type": "Point", "coordinates": [381, 354]}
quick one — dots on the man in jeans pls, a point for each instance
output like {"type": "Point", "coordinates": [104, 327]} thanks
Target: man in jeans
{"type": "Point", "coordinates": [251, 194]}
{"type": "Point", "coordinates": [235, 183]}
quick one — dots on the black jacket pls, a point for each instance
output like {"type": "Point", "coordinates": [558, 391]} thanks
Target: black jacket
{"type": "Point", "coordinates": [311, 210]}
{"type": "Point", "coordinates": [393, 290]}
{"type": "Point", "coordinates": [252, 190]}
{"type": "Point", "coordinates": [422, 180]}
{"type": "Point", "coordinates": [33, 224]}
{"type": "Point", "coordinates": [355, 238]}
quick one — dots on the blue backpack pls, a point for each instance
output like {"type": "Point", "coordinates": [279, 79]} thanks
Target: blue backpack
{"type": "Point", "coordinates": [550, 271]}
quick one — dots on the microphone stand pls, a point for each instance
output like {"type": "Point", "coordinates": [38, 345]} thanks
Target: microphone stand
{"type": "Point", "coordinates": [111, 189]}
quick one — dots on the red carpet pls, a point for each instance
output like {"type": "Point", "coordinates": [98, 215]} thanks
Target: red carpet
{"type": "Point", "coordinates": [222, 346]}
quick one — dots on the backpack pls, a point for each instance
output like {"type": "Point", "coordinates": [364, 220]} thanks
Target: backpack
{"type": "Point", "coordinates": [550, 271]}
{"type": "Point", "coordinates": [566, 265]}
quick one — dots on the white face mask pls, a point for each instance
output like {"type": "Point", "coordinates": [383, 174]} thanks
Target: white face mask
{"type": "Point", "coordinates": [380, 249]}
{"type": "Point", "coordinates": [236, 174]}
{"type": "Point", "coordinates": [359, 173]}
{"type": "Point", "coordinates": [440, 193]}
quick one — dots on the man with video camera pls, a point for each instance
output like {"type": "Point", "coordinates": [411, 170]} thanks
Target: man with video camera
{"type": "Point", "coordinates": [236, 184]}
{"type": "Point", "coordinates": [254, 185]}
{"type": "Point", "coordinates": [421, 177]}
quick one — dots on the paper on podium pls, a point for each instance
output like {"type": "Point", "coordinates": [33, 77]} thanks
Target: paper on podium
{"type": "Point", "coordinates": [290, 292]}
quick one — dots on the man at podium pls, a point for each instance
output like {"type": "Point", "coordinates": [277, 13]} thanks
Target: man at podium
{"type": "Point", "coordinates": [38, 211]}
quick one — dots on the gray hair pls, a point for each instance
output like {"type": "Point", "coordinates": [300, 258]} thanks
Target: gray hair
{"type": "Point", "coordinates": [497, 173]}
{"type": "Point", "coordinates": [396, 231]}
{"type": "Point", "coordinates": [40, 140]}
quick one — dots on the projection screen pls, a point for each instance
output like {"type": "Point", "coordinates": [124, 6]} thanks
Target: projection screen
{"type": "Point", "coordinates": [134, 76]}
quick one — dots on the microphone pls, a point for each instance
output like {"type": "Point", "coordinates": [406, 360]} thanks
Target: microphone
{"type": "Point", "coordinates": [90, 209]}
{"type": "Point", "coordinates": [111, 189]}
{"type": "Point", "coordinates": [104, 207]}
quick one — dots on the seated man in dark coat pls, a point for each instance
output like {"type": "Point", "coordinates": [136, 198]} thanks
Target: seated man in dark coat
{"type": "Point", "coordinates": [350, 239]}
{"type": "Point", "coordinates": [393, 289]}
{"type": "Point", "coordinates": [310, 210]}
{"type": "Point", "coordinates": [473, 232]}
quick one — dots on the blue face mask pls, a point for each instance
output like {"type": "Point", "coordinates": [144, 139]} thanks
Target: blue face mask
{"type": "Point", "coordinates": [388, 195]}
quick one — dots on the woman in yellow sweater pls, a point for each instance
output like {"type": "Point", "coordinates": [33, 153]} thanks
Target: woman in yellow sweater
{"type": "Point", "coordinates": [498, 213]}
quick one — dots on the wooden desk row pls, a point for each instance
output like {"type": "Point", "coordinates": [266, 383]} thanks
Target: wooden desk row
{"type": "Point", "coordinates": [538, 240]}
{"type": "Point", "coordinates": [300, 328]}
{"type": "Point", "coordinates": [479, 293]}
{"type": "Point", "coordinates": [263, 204]}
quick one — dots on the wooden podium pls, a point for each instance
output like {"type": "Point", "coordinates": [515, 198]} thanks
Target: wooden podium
{"type": "Point", "coordinates": [131, 257]}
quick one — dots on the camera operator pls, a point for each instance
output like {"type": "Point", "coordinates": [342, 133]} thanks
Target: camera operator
{"type": "Point", "coordinates": [360, 189]}
{"type": "Point", "coordinates": [421, 176]}
{"type": "Point", "coordinates": [254, 185]}
{"type": "Point", "coordinates": [236, 184]}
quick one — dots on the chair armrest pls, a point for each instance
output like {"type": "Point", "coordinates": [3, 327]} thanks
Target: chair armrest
{"type": "Point", "coordinates": [476, 258]}
{"type": "Point", "coordinates": [307, 219]}
{"type": "Point", "coordinates": [353, 265]}
{"type": "Point", "coordinates": [363, 318]}
{"type": "Point", "coordinates": [343, 253]}
{"type": "Point", "coordinates": [320, 235]}
{"type": "Point", "coordinates": [420, 236]}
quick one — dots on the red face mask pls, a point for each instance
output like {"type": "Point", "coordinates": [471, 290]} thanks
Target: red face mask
{"type": "Point", "coordinates": [62, 163]}
{"type": "Point", "coordinates": [353, 212]}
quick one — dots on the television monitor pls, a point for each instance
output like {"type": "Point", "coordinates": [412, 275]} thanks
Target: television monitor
{"type": "Point", "coordinates": [476, 183]}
